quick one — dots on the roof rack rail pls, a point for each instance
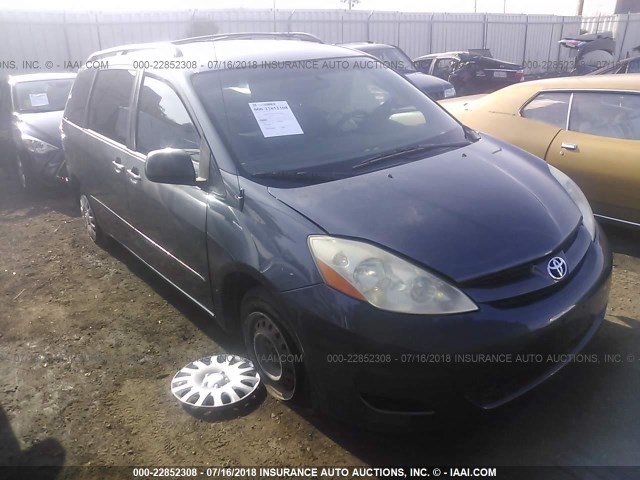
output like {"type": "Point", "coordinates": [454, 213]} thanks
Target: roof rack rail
{"type": "Point", "coordinates": [136, 47]}
{"type": "Point", "coordinates": [303, 36]}
{"type": "Point", "coordinates": [173, 45]}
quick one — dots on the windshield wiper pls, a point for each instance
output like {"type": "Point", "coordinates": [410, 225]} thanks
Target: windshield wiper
{"type": "Point", "coordinates": [401, 152]}
{"type": "Point", "coordinates": [304, 176]}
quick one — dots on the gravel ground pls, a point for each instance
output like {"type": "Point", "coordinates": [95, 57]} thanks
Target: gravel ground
{"type": "Point", "coordinates": [90, 338]}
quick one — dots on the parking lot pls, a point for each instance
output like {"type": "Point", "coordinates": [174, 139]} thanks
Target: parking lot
{"type": "Point", "coordinates": [90, 339]}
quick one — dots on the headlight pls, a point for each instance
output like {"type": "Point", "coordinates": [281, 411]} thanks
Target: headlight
{"type": "Point", "coordinates": [449, 92]}
{"type": "Point", "coordinates": [578, 198]}
{"type": "Point", "coordinates": [385, 281]}
{"type": "Point", "coordinates": [36, 145]}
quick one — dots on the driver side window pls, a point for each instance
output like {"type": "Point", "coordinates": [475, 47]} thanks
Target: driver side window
{"type": "Point", "coordinates": [424, 65]}
{"type": "Point", "coordinates": [163, 120]}
{"type": "Point", "coordinates": [551, 108]}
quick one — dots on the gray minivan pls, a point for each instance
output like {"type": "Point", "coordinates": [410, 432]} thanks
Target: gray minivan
{"type": "Point", "coordinates": [342, 218]}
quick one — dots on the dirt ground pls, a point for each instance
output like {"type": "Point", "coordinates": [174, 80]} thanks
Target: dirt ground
{"type": "Point", "coordinates": [90, 338]}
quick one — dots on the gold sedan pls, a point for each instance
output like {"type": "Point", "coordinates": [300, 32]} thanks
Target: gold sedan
{"type": "Point", "coordinates": [588, 127]}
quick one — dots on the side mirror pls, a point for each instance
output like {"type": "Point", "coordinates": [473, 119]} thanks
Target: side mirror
{"type": "Point", "coordinates": [170, 165]}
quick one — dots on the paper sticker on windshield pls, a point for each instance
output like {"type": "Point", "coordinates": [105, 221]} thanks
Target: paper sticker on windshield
{"type": "Point", "coordinates": [38, 99]}
{"type": "Point", "coordinates": [275, 119]}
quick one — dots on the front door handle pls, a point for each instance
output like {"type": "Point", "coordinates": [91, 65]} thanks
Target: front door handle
{"type": "Point", "coordinates": [133, 175]}
{"type": "Point", "coordinates": [117, 165]}
{"type": "Point", "coordinates": [569, 146]}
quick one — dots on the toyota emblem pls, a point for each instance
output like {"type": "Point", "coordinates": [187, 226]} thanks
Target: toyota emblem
{"type": "Point", "coordinates": [557, 268]}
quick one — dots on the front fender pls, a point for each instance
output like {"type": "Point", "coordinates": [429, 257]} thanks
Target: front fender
{"type": "Point", "coordinates": [266, 241]}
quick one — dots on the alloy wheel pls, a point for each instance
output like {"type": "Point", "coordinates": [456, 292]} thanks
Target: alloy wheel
{"type": "Point", "coordinates": [89, 217]}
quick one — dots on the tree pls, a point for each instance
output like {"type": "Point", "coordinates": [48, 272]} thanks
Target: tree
{"type": "Point", "coordinates": [351, 3]}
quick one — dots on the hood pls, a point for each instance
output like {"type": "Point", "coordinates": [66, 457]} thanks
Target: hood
{"type": "Point", "coordinates": [460, 104]}
{"type": "Point", "coordinates": [467, 213]}
{"type": "Point", "coordinates": [42, 125]}
{"type": "Point", "coordinates": [427, 82]}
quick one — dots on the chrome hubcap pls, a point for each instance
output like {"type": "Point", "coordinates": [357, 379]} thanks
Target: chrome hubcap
{"type": "Point", "coordinates": [274, 356]}
{"type": "Point", "coordinates": [88, 217]}
{"type": "Point", "coordinates": [218, 381]}
{"type": "Point", "coordinates": [22, 178]}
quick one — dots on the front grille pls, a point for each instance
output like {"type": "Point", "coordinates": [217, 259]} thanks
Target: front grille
{"type": "Point", "coordinates": [503, 277]}
{"type": "Point", "coordinates": [529, 298]}
{"type": "Point", "coordinates": [519, 272]}
{"type": "Point", "coordinates": [529, 282]}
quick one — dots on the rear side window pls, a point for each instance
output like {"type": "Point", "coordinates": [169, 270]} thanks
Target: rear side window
{"type": "Point", "coordinates": [109, 105]}
{"type": "Point", "coordinates": [424, 65]}
{"type": "Point", "coordinates": [444, 66]}
{"type": "Point", "coordinates": [78, 99]}
{"type": "Point", "coordinates": [614, 115]}
{"type": "Point", "coordinates": [551, 108]}
{"type": "Point", "coordinates": [163, 120]}
{"type": "Point", "coordinates": [634, 66]}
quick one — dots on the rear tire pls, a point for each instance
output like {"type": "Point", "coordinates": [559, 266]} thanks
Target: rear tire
{"type": "Point", "coordinates": [91, 224]}
{"type": "Point", "coordinates": [270, 346]}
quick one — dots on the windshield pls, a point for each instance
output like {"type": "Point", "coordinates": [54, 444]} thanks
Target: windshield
{"type": "Point", "coordinates": [392, 58]}
{"type": "Point", "coordinates": [326, 119]}
{"type": "Point", "coordinates": [41, 95]}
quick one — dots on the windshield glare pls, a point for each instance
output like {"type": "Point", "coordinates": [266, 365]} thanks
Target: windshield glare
{"type": "Point", "coordinates": [393, 58]}
{"type": "Point", "coordinates": [41, 95]}
{"type": "Point", "coordinates": [325, 119]}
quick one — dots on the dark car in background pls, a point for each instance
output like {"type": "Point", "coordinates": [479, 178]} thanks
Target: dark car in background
{"type": "Point", "coordinates": [395, 58]}
{"type": "Point", "coordinates": [471, 72]}
{"type": "Point", "coordinates": [342, 219]}
{"type": "Point", "coordinates": [31, 107]}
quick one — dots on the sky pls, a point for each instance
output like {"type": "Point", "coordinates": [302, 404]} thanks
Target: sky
{"type": "Point", "coordinates": [556, 7]}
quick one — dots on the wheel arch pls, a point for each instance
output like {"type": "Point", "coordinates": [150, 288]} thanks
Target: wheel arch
{"type": "Point", "coordinates": [235, 284]}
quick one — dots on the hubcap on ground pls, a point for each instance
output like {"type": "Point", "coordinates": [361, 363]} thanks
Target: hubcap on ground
{"type": "Point", "coordinates": [22, 177]}
{"type": "Point", "coordinates": [88, 217]}
{"type": "Point", "coordinates": [274, 356]}
{"type": "Point", "coordinates": [217, 381]}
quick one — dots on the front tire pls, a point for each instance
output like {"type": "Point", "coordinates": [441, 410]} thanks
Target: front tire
{"type": "Point", "coordinates": [270, 346]}
{"type": "Point", "coordinates": [25, 177]}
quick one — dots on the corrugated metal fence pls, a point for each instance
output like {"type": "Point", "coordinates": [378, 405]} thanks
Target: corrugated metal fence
{"type": "Point", "coordinates": [47, 40]}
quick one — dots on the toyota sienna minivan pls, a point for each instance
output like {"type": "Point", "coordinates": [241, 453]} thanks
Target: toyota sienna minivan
{"type": "Point", "coordinates": [373, 250]}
